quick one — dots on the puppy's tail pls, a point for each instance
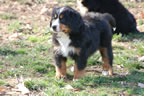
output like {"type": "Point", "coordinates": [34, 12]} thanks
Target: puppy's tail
{"type": "Point", "coordinates": [110, 19]}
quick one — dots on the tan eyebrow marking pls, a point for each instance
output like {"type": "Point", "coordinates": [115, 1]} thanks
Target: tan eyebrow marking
{"type": "Point", "coordinates": [61, 16]}
{"type": "Point", "coordinates": [55, 16]}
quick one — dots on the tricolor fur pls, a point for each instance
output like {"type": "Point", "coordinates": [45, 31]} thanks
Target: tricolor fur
{"type": "Point", "coordinates": [79, 37]}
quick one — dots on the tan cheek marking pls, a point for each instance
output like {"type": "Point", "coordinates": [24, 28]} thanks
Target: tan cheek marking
{"type": "Point", "coordinates": [65, 28]}
{"type": "Point", "coordinates": [61, 16]}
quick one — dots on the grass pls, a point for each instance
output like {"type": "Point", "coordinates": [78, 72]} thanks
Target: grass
{"type": "Point", "coordinates": [37, 61]}
{"type": "Point", "coordinates": [67, 2]}
{"type": "Point", "coordinates": [36, 85]}
{"type": "Point", "coordinates": [26, 1]}
{"type": "Point", "coordinates": [129, 4]}
{"type": "Point", "coordinates": [141, 22]}
{"type": "Point", "coordinates": [2, 83]}
{"type": "Point", "coordinates": [33, 58]}
{"type": "Point", "coordinates": [15, 26]}
{"type": "Point", "coordinates": [7, 16]}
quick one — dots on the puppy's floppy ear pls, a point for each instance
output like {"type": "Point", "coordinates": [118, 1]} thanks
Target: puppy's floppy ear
{"type": "Point", "coordinates": [75, 21]}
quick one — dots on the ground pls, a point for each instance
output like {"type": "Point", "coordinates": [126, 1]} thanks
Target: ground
{"type": "Point", "coordinates": [26, 50]}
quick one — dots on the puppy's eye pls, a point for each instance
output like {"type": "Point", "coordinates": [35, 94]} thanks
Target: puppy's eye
{"type": "Point", "coordinates": [61, 16]}
{"type": "Point", "coordinates": [55, 16]}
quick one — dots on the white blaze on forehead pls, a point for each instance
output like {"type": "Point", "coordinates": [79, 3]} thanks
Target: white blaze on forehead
{"type": "Point", "coordinates": [56, 22]}
{"type": "Point", "coordinates": [63, 38]}
{"type": "Point", "coordinates": [64, 41]}
{"type": "Point", "coordinates": [61, 10]}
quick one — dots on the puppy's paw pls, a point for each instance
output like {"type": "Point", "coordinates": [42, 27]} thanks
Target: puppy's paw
{"type": "Point", "coordinates": [78, 75]}
{"type": "Point", "coordinates": [60, 76]}
{"type": "Point", "coordinates": [105, 73]}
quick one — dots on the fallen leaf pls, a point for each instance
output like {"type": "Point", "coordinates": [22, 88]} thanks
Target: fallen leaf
{"type": "Point", "coordinates": [141, 59]}
{"type": "Point", "coordinates": [16, 36]}
{"type": "Point", "coordinates": [2, 70]}
{"type": "Point", "coordinates": [3, 89]}
{"type": "Point", "coordinates": [142, 15]}
{"type": "Point", "coordinates": [21, 87]}
{"type": "Point", "coordinates": [124, 73]}
{"type": "Point", "coordinates": [141, 85]}
{"type": "Point", "coordinates": [43, 10]}
{"type": "Point", "coordinates": [69, 87]}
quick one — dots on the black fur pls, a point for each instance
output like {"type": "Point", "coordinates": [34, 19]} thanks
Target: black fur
{"type": "Point", "coordinates": [103, 16]}
{"type": "Point", "coordinates": [88, 33]}
{"type": "Point", "coordinates": [125, 21]}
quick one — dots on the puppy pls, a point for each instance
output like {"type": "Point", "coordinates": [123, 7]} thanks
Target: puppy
{"type": "Point", "coordinates": [104, 16]}
{"type": "Point", "coordinates": [79, 38]}
{"type": "Point", "coordinates": [125, 21]}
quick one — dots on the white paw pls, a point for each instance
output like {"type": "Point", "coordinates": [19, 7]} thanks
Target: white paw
{"type": "Point", "coordinates": [105, 73]}
{"type": "Point", "coordinates": [75, 79]}
{"type": "Point", "coordinates": [72, 69]}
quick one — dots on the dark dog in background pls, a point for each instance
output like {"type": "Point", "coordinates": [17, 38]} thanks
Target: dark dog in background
{"type": "Point", "coordinates": [79, 37]}
{"type": "Point", "coordinates": [125, 21]}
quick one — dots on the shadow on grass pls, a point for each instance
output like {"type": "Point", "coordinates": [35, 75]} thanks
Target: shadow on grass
{"type": "Point", "coordinates": [128, 83]}
{"type": "Point", "coordinates": [5, 52]}
{"type": "Point", "coordinates": [8, 52]}
{"type": "Point", "coordinates": [131, 37]}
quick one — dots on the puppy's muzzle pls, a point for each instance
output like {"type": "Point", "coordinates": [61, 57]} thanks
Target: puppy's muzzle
{"type": "Point", "coordinates": [54, 27]}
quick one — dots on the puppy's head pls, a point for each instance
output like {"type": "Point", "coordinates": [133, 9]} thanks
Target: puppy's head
{"type": "Point", "coordinates": [65, 19]}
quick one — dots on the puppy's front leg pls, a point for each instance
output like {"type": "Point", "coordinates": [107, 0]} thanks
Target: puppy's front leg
{"type": "Point", "coordinates": [79, 67]}
{"type": "Point", "coordinates": [60, 66]}
{"type": "Point", "coordinates": [78, 73]}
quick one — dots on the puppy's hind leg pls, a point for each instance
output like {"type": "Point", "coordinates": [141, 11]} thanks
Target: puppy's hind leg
{"type": "Point", "coordinates": [107, 58]}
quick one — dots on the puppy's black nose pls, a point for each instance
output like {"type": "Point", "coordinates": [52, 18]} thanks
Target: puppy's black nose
{"type": "Point", "coordinates": [54, 27]}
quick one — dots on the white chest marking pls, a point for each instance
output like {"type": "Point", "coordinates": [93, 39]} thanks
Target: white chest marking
{"type": "Point", "coordinates": [64, 43]}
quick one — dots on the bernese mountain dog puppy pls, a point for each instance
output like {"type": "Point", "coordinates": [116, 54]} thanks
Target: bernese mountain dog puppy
{"type": "Point", "coordinates": [79, 37]}
{"type": "Point", "coordinates": [125, 21]}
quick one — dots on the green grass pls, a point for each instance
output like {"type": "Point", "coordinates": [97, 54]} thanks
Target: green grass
{"type": "Point", "coordinates": [39, 1]}
{"type": "Point", "coordinates": [67, 2]}
{"type": "Point", "coordinates": [7, 16]}
{"type": "Point", "coordinates": [26, 1]}
{"type": "Point", "coordinates": [93, 60]}
{"type": "Point", "coordinates": [141, 22]}
{"type": "Point", "coordinates": [129, 4]}
{"type": "Point", "coordinates": [2, 83]}
{"type": "Point", "coordinates": [36, 84]}
{"type": "Point", "coordinates": [33, 58]}
{"type": "Point", "coordinates": [15, 26]}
